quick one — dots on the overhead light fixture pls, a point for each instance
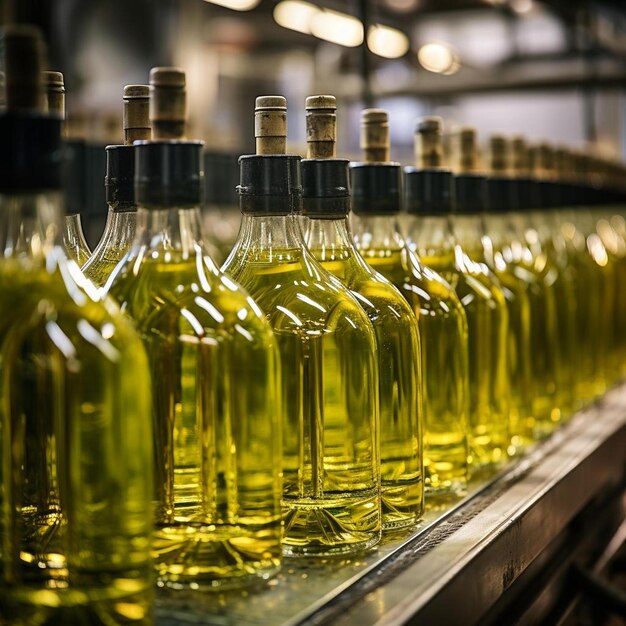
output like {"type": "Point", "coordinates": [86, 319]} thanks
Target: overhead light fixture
{"type": "Point", "coordinates": [438, 58]}
{"type": "Point", "coordinates": [387, 42]}
{"type": "Point", "coordinates": [336, 27]}
{"type": "Point", "coordinates": [236, 5]}
{"type": "Point", "coordinates": [295, 15]}
{"type": "Point", "coordinates": [522, 6]}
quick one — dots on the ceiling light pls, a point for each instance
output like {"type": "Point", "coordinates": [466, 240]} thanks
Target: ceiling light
{"type": "Point", "coordinates": [522, 6]}
{"type": "Point", "coordinates": [438, 58]}
{"type": "Point", "coordinates": [296, 15]}
{"type": "Point", "coordinates": [387, 42]}
{"type": "Point", "coordinates": [338, 28]}
{"type": "Point", "coordinates": [236, 5]}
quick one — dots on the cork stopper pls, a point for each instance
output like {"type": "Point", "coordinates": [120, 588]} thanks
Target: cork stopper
{"type": "Point", "coordinates": [168, 102]}
{"type": "Point", "coordinates": [321, 127]}
{"type": "Point", "coordinates": [375, 141]}
{"type": "Point", "coordinates": [520, 164]}
{"type": "Point", "coordinates": [270, 124]}
{"type": "Point", "coordinates": [498, 155]}
{"type": "Point", "coordinates": [464, 150]}
{"type": "Point", "coordinates": [428, 143]}
{"type": "Point", "coordinates": [22, 51]}
{"type": "Point", "coordinates": [542, 161]}
{"type": "Point", "coordinates": [55, 93]}
{"type": "Point", "coordinates": [136, 113]}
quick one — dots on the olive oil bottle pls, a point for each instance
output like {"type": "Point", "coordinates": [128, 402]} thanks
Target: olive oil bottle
{"type": "Point", "coordinates": [329, 393]}
{"type": "Point", "coordinates": [376, 203]}
{"type": "Point", "coordinates": [214, 369]}
{"type": "Point", "coordinates": [119, 231]}
{"type": "Point", "coordinates": [73, 236]}
{"type": "Point", "coordinates": [326, 204]}
{"type": "Point", "coordinates": [449, 246]}
{"type": "Point", "coordinates": [75, 428]}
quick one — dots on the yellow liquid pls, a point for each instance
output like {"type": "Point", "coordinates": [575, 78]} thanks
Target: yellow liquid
{"type": "Point", "coordinates": [443, 337]}
{"type": "Point", "coordinates": [522, 420]}
{"type": "Point", "coordinates": [487, 322]}
{"type": "Point", "coordinates": [213, 363]}
{"type": "Point", "coordinates": [399, 388]}
{"type": "Point", "coordinates": [75, 441]}
{"type": "Point", "coordinates": [331, 495]}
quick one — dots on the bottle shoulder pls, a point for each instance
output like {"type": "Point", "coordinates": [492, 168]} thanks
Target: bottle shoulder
{"type": "Point", "coordinates": [157, 289]}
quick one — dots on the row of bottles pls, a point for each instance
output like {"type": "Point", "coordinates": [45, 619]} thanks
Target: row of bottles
{"type": "Point", "coordinates": [376, 338]}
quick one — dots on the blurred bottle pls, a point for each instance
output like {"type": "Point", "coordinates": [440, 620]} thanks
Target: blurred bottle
{"type": "Point", "coordinates": [214, 370]}
{"type": "Point", "coordinates": [75, 428]}
{"type": "Point", "coordinates": [327, 347]}
{"type": "Point", "coordinates": [326, 204]}
{"type": "Point", "coordinates": [450, 245]}
{"type": "Point", "coordinates": [119, 231]}
{"type": "Point", "coordinates": [73, 236]}
{"type": "Point", "coordinates": [376, 203]}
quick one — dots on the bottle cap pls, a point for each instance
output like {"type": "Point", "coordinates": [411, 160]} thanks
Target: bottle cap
{"type": "Point", "coordinates": [136, 113]}
{"type": "Point", "coordinates": [471, 193]}
{"type": "Point", "coordinates": [168, 102]}
{"type": "Point", "coordinates": [428, 191]}
{"type": "Point", "coordinates": [120, 176]}
{"type": "Point", "coordinates": [325, 188]}
{"type": "Point", "coordinates": [169, 174]}
{"type": "Point", "coordinates": [498, 155]}
{"type": "Point", "coordinates": [270, 184]}
{"type": "Point", "coordinates": [376, 188]}
{"type": "Point", "coordinates": [428, 145]}
{"type": "Point", "coordinates": [464, 150]}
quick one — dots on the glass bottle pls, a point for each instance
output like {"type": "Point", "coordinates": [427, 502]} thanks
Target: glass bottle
{"type": "Point", "coordinates": [75, 429]}
{"type": "Point", "coordinates": [73, 236]}
{"type": "Point", "coordinates": [326, 204]}
{"type": "Point", "coordinates": [443, 334]}
{"type": "Point", "coordinates": [213, 362]}
{"type": "Point", "coordinates": [119, 230]}
{"type": "Point", "coordinates": [331, 465]}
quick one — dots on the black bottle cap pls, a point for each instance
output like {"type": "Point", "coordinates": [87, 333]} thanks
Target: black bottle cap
{"type": "Point", "coordinates": [120, 176]}
{"type": "Point", "coordinates": [31, 153]}
{"type": "Point", "coordinates": [471, 193]}
{"type": "Point", "coordinates": [376, 188]}
{"type": "Point", "coordinates": [325, 188]}
{"type": "Point", "coordinates": [270, 184]}
{"type": "Point", "coordinates": [428, 191]}
{"type": "Point", "coordinates": [502, 194]}
{"type": "Point", "coordinates": [168, 173]}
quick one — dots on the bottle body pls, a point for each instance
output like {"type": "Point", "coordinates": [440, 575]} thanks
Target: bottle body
{"type": "Point", "coordinates": [118, 236]}
{"type": "Point", "coordinates": [398, 353]}
{"type": "Point", "coordinates": [443, 341]}
{"type": "Point", "coordinates": [74, 242]}
{"type": "Point", "coordinates": [487, 321]}
{"type": "Point", "coordinates": [329, 391]}
{"type": "Point", "coordinates": [75, 432]}
{"type": "Point", "coordinates": [217, 432]}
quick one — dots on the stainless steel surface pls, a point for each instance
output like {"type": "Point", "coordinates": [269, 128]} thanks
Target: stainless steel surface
{"type": "Point", "coordinates": [456, 565]}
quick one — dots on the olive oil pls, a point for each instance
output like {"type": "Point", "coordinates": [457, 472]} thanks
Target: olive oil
{"type": "Point", "coordinates": [444, 245]}
{"type": "Point", "coordinates": [326, 203]}
{"type": "Point", "coordinates": [213, 364]}
{"type": "Point", "coordinates": [76, 472]}
{"type": "Point", "coordinates": [327, 346]}
{"type": "Point", "coordinates": [119, 231]}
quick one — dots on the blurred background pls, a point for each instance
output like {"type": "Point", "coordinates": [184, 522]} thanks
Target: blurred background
{"type": "Point", "coordinates": [552, 70]}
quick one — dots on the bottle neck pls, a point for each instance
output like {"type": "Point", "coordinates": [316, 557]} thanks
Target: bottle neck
{"type": "Point", "coordinates": [121, 226]}
{"type": "Point", "coordinates": [377, 232]}
{"type": "Point", "coordinates": [328, 238]}
{"type": "Point", "coordinates": [170, 229]}
{"type": "Point", "coordinates": [264, 233]}
{"type": "Point", "coordinates": [429, 232]}
{"type": "Point", "coordinates": [31, 226]}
